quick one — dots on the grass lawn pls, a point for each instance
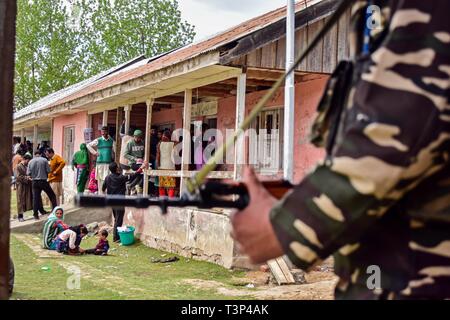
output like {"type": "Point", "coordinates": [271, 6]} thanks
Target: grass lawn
{"type": "Point", "coordinates": [27, 214]}
{"type": "Point", "coordinates": [125, 274]}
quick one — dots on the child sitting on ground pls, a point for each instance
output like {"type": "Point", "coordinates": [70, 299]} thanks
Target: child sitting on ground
{"type": "Point", "coordinates": [102, 246]}
{"type": "Point", "coordinates": [68, 241]}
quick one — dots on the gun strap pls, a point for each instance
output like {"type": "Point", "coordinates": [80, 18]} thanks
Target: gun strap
{"type": "Point", "coordinates": [194, 183]}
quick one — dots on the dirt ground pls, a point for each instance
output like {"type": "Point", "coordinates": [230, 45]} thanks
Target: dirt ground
{"type": "Point", "coordinates": [319, 285]}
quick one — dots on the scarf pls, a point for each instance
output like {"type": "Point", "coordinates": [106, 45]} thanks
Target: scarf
{"type": "Point", "coordinates": [49, 232]}
{"type": "Point", "coordinates": [82, 156]}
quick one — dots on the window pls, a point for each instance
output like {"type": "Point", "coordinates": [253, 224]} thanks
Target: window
{"type": "Point", "coordinates": [266, 141]}
{"type": "Point", "coordinates": [69, 143]}
{"type": "Point", "coordinates": [211, 122]}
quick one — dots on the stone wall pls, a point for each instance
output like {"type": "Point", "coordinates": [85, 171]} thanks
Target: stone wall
{"type": "Point", "coordinates": [203, 235]}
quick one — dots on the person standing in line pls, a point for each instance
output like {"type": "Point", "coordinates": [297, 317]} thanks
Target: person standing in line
{"type": "Point", "coordinates": [105, 155]}
{"type": "Point", "coordinates": [124, 162]}
{"type": "Point", "coordinates": [16, 144]}
{"type": "Point", "coordinates": [135, 153]}
{"type": "Point", "coordinates": [24, 189]}
{"type": "Point", "coordinates": [55, 177]}
{"type": "Point", "coordinates": [165, 162]}
{"type": "Point", "coordinates": [80, 161]}
{"type": "Point", "coordinates": [18, 157]}
{"type": "Point", "coordinates": [38, 169]}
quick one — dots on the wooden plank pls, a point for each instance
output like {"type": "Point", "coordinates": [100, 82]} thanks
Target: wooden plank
{"type": "Point", "coordinates": [285, 269]}
{"type": "Point", "coordinates": [269, 55]}
{"type": "Point", "coordinates": [315, 58]}
{"type": "Point", "coordinates": [189, 174]}
{"type": "Point", "coordinates": [254, 58]}
{"type": "Point", "coordinates": [278, 268]}
{"type": "Point", "coordinates": [330, 50]}
{"type": "Point", "coordinates": [343, 51]}
{"type": "Point", "coordinates": [281, 54]}
{"type": "Point", "coordinates": [301, 40]}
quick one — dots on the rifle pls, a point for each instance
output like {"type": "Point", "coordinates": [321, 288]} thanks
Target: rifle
{"type": "Point", "coordinates": [211, 194]}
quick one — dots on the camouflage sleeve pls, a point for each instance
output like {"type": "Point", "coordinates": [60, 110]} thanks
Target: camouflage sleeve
{"type": "Point", "coordinates": [395, 134]}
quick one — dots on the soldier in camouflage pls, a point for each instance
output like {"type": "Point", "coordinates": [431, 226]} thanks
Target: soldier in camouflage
{"type": "Point", "coordinates": [381, 200]}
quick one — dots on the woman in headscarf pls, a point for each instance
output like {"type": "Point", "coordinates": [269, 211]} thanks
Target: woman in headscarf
{"type": "Point", "coordinates": [53, 226]}
{"type": "Point", "coordinates": [81, 163]}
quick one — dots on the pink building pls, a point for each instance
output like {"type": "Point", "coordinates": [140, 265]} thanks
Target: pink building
{"type": "Point", "coordinates": [205, 82]}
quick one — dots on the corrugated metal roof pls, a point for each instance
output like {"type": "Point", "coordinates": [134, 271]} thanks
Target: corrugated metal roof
{"type": "Point", "coordinates": [61, 94]}
{"type": "Point", "coordinates": [135, 69]}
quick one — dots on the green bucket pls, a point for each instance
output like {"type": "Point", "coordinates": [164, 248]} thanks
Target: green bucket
{"type": "Point", "coordinates": [127, 238]}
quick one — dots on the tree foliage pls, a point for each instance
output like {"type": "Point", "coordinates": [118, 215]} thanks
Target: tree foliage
{"type": "Point", "coordinates": [60, 43]}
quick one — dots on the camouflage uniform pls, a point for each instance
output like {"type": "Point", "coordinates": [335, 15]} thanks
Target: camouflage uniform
{"type": "Point", "coordinates": [382, 198]}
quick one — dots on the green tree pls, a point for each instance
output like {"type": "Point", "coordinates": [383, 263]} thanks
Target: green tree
{"type": "Point", "coordinates": [120, 30]}
{"type": "Point", "coordinates": [60, 43]}
{"type": "Point", "coordinates": [46, 55]}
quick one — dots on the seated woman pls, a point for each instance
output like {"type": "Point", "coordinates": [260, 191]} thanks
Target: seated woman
{"type": "Point", "coordinates": [53, 226]}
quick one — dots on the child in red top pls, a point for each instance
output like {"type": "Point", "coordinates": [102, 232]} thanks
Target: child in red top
{"type": "Point", "coordinates": [102, 246]}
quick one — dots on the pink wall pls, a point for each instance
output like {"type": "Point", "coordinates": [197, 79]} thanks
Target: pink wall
{"type": "Point", "coordinates": [79, 120]}
{"type": "Point", "coordinates": [174, 115]}
{"type": "Point", "coordinates": [307, 96]}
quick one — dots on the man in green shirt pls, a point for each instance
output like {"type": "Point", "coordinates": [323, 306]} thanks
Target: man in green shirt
{"type": "Point", "coordinates": [104, 149]}
{"type": "Point", "coordinates": [135, 154]}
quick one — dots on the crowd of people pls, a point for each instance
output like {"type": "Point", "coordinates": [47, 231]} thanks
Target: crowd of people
{"type": "Point", "coordinates": [32, 175]}
{"type": "Point", "coordinates": [95, 170]}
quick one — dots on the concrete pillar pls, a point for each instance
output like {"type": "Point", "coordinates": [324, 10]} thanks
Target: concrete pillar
{"type": "Point", "coordinates": [22, 136]}
{"type": "Point", "coordinates": [119, 120]}
{"type": "Point", "coordinates": [89, 121]}
{"type": "Point", "coordinates": [35, 137]}
{"type": "Point", "coordinates": [51, 134]}
{"type": "Point", "coordinates": [186, 155]}
{"type": "Point", "coordinates": [105, 118]}
{"type": "Point", "coordinates": [127, 109]}
{"type": "Point", "coordinates": [239, 147]}
{"type": "Point", "coordinates": [148, 125]}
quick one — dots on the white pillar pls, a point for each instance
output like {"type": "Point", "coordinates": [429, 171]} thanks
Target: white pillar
{"type": "Point", "coordinates": [127, 109]}
{"type": "Point", "coordinates": [186, 155]}
{"type": "Point", "coordinates": [89, 121]}
{"type": "Point", "coordinates": [239, 148]}
{"type": "Point", "coordinates": [289, 100]}
{"type": "Point", "coordinates": [22, 136]}
{"type": "Point", "coordinates": [35, 137]}
{"type": "Point", "coordinates": [148, 125]}
{"type": "Point", "coordinates": [105, 118]}
{"type": "Point", "coordinates": [51, 134]}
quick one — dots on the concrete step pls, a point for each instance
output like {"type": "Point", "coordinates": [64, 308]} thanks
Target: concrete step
{"type": "Point", "coordinates": [72, 216]}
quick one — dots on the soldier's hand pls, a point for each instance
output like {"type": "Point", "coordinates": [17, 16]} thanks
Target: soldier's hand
{"type": "Point", "coordinates": [252, 228]}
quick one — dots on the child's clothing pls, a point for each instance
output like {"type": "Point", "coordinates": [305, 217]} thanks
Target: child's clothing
{"type": "Point", "coordinates": [101, 248]}
{"type": "Point", "coordinates": [66, 242]}
{"type": "Point", "coordinates": [93, 187]}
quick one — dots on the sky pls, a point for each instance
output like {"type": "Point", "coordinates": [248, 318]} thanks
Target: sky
{"type": "Point", "coordinates": [212, 16]}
